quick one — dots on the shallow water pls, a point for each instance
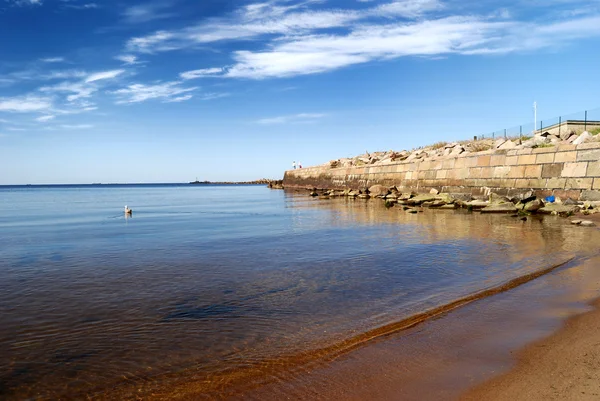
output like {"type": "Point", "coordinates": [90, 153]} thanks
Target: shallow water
{"type": "Point", "coordinates": [226, 285]}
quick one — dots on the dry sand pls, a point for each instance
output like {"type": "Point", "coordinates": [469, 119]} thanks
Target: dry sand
{"type": "Point", "coordinates": [564, 366]}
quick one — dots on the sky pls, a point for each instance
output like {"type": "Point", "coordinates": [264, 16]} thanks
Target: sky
{"type": "Point", "coordinates": [222, 90]}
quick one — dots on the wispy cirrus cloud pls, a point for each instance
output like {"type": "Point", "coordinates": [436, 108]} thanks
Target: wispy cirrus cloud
{"type": "Point", "coordinates": [25, 104]}
{"type": "Point", "coordinates": [167, 92]}
{"type": "Point", "coordinates": [272, 18]}
{"type": "Point", "coordinates": [128, 59]}
{"type": "Point", "coordinates": [202, 73]}
{"type": "Point", "coordinates": [76, 126]}
{"type": "Point", "coordinates": [141, 13]}
{"type": "Point", "coordinates": [25, 2]}
{"type": "Point", "coordinates": [44, 119]}
{"type": "Point", "coordinates": [308, 38]}
{"type": "Point", "coordinates": [52, 60]}
{"type": "Point", "coordinates": [301, 118]}
{"type": "Point", "coordinates": [98, 76]}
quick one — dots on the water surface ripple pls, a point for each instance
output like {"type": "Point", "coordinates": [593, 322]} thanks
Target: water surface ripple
{"type": "Point", "coordinates": [207, 281]}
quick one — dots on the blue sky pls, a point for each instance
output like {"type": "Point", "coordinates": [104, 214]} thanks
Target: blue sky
{"type": "Point", "coordinates": [170, 90]}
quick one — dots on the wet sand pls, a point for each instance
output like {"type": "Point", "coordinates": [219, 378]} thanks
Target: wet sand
{"type": "Point", "coordinates": [564, 366]}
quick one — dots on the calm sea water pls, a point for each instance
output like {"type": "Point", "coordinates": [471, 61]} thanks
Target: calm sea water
{"type": "Point", "coordinates": [225, 283]}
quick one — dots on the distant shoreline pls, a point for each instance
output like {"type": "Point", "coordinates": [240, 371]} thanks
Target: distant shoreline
{"type": "Point", "coordinates": [172, 184]}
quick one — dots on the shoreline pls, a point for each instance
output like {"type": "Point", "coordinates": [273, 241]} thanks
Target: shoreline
{"type": "Point", "coordinates": [564, 365]}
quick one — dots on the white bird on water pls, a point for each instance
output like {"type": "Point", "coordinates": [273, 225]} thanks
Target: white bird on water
{"type": "Point", "coordinates": [128, 210]}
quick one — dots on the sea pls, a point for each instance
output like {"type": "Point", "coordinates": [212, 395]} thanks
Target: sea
{"type": "Point", "coordinates": [242, 292]}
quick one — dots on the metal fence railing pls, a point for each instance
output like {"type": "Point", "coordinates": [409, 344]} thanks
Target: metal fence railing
{"type": "Point", "coordinates": [587, 120]}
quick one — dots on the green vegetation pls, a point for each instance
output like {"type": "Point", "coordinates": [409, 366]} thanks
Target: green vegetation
{"type": "Point", "coordinates": [481, 146]}
{"type": "Point", "coordinates": [545, 145]}
{"type": "Point", "coordinates": [439, 145]}
{"type": "Point", "coordinates": [595, 131]}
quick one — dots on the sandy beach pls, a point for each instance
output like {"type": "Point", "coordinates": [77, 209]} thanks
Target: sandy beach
{"type": "Point", "coordinates": [564, 366]}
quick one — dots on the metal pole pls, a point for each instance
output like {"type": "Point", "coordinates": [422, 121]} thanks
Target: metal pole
{"type": "Point", "coordinates": [559, 124]}
{"type": "Point", "coordinates": [520, 133]}
{"type": "Point", "coordinates": [541, 122]}
{"type": "Point", "coordinates": [504, 133]}
{"type": "Point", "coordinates": [585, 122]}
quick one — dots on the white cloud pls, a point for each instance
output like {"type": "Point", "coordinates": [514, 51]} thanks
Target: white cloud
{"type": "Point", "coordinates": [202, 73]}
{"type": "Point", "coordinates": [103, 75]}
{"type": "Point", "coordinates": [269, 18]}
{"type": "Point", "coordinates": [78, 90]}
{"type": "Point", "coordinates": [62, 74]}
{"type": "Point", "coordinates": [26, 2]}
{"type": "Point", "coordinates": [292, 119]}
{"type": "Point", "coordinates": [147, 12]}
{"type": "Point", "coordinates": [167, 91]}
{"type": "Point", "coordinates": [43, 119]}
{"type": "Point", "coordinates": [179, 99]}
{"type": "Point", "coordinates": [25, 104]}
{"type": "Point", "coordinates": [299, 40]}
{"type": "Point", "coordinates": [52, 60]}
{"type": "Point", "coordinates": [128, 59]}
{"type": "Point", "coordinates": [76, 126]}
{"type": "Point", "coordinates": [86, 6]}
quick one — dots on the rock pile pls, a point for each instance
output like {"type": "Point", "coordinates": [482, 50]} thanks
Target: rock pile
{"type": "Point", "coordinates": [443, 149]}
{"type": "Point", "coordinates": [519, 206]}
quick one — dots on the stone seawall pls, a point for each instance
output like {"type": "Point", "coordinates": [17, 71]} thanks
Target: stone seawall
{"type": "Point", "coordinates": [571, 171]}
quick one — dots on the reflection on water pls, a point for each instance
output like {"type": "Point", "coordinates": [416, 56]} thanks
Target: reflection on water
{"type": "Point", "coordinates": [216, 285]}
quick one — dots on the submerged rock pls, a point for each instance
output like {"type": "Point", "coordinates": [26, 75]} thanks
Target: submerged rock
{"type": "Point", "coordinates": [417, 200]}
{"type": "Point", "coordinates": [448, 206]}
{"type": "Point", "coordinates": [553, 208]}
{"type": "Point", "coordinates": [476, 204]}
{"type": "Point", "coordinates": [507, 207]}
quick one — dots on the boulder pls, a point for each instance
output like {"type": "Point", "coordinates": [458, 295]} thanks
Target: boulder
{"type": "Point", "coordinates": [499, 142]}
{"type": "Point", "coordinates": [508, 145]}
{"type": "Point", "coordinates": [437, 203]}
{"type": "Point", "coordinates": [476, 204]}
{"type": "Point", "coordinates": [565, 135]}
{"type": "Point", "coordinates": [533, 142]}
{"type": "Point", "coordinates": [434, 191]}
{"type": "Point", "coordinates": [449, 206]}
{"type": "Point", "coordinates": [587, 223]}
{"type": "Point", "coordinates": [583, 138]}
{"type": "Point", "coordinates": [378, 190]}
{"type": "Point", "coordinates": [445, 197]}
{"type": "Point", "coordinates": [417, 200]}
{"type": "Point", "coordinates": [576, 222]}
{"type": "Point", "coordinates": [457, 150]}
{"type": "Point", "coordinates": [533, 206]}
{"type": "Point", "coordinates": [500, 208]}
{"type": "Point", "coordinates": [554, 208]}
{"type": "Point", "coordinates": [495, 198]}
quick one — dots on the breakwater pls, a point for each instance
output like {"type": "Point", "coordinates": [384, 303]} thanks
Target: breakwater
{"type": "Point", "coordinates": [565, 170]}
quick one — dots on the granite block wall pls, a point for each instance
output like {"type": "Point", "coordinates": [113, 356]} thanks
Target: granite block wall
{"type": "Point", "coordinates": [564, 170]}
